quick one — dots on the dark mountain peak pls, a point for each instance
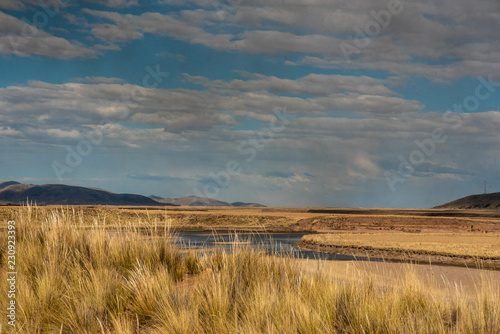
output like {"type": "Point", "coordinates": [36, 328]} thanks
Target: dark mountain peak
{"type": "Point", "coordinates": [482, 201]}
{"type": "Point", "coordinates": [202, 201]}
{"type": "Point", "coordinates": [7, 183]}
{"type": "Point", "coordinates": [61, 194]}
{"type": "Point", "coordinates": [12, 192]}
{"type": "Point", "coordinates": [191, 201]}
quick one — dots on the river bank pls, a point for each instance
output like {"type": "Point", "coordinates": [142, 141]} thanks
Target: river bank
{"type": "Point", "coordinates": [402, 255]}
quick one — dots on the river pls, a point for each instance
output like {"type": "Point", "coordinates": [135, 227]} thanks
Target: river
{"type": "Point", "coordinates": [272, 243]}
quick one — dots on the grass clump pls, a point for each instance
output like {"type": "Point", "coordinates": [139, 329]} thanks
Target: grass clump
{"type": "Point", "coordinates": [76, 279]}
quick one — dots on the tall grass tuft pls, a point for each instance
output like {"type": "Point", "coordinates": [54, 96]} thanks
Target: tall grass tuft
{"type": "Point", "coordinates": [76, 278]}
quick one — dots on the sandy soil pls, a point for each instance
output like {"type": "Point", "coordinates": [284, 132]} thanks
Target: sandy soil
{"type": "Point", "coordinates": [440, 279]}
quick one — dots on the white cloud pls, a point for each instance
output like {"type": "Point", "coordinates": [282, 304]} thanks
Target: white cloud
{"type": "Point", "coordinates": [461, 39]}
{"type": "Point", "coordinates": [63, 134]}
{"type": "Point", "coordinates": [72, 107]}
{"type": "Point", "coordinates": [22, 4]}
{"type": "Point", "coordinates": [8, 131]}
{"type": "Point", "coordinates": [328, 93]}
{"type": "Point", "coordinates": [75, 104]}
{"type": "Point", "coordinates": [311, 84]}
{"type": "Point", "coordinates": [439, 73]}
{"type": "Point", "coordinates": [339, 155]}
{"type": "Point", "coordinates": [20, 39]}
{"type": "Point", "coordinates": [103, 80]}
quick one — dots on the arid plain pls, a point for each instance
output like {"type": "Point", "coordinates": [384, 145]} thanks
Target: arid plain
{"type": "Point", "coordinates": [392, 234]}
{"type": "Point", "coordinates": [101, 269]}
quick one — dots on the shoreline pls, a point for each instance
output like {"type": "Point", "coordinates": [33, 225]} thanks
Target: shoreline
{"type": "Point", "coordinates": [403, 256]}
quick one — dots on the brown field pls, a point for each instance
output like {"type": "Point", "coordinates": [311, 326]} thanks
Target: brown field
{"type": "Point", "coordinates": [465, 249]}
{"type": "Point", "coordinates": [473, 245]}
{"type": "Point", "coordinates": [287, 219]}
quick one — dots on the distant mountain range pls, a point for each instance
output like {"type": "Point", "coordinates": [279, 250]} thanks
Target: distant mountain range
{"type": "Point", "coordinates": [51, 194]}
{"type": "Point", "coordinates": [483, 201]}
{"type": "Point", "coordinates": [12, 192]}
{"type": "Point", "coordinates": [202, 201]}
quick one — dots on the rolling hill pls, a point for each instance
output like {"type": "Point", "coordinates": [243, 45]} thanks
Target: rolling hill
{"type": "Point", "coordinates": [483, 201]}
{"type": "Point", "coordinates": [248, 205]}
{"type": "Point", "coordinates": [54, 194]}
{"type": "Point", "coordinates": [190, 201]}
{"type": "Point", "coordinates": [12, 192]}
{"type": "Point", "coordinates": [7, 183]}
{"type": "Point", "coordinates": [203, 201]}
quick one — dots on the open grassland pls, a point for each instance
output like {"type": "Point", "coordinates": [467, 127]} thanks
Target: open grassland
{"type": "Point", "coordinates": [76, 279]}
{"type": "Point", "coordinates": [286, 219]}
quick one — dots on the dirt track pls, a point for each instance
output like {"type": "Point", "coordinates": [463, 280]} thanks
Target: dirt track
{"type": "Point", "coordinates": [444, 280]}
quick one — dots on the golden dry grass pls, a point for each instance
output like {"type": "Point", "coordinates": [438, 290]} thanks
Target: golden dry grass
{"type": "Point", "coordinates": [97, 280]}
{"type": "Point", "coordinates": [476, 245]}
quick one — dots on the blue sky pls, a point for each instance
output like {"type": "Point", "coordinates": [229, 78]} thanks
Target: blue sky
{"type": "Point", "coordinates": [287, 103]}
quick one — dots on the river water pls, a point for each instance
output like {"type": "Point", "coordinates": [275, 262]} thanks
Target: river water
{"type": "Point", "coordinates": [273, 243]}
